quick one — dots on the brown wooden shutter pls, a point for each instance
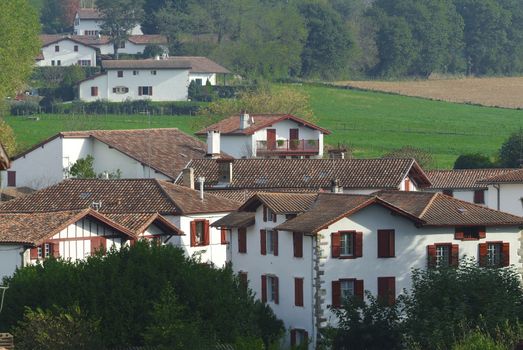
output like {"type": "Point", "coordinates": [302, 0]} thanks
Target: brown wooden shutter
{"type": "Point", "coordinates": [223, 235]}
{"type": "Point", "coordinates": [298, 291]}
{"type": "Point", "coordinates": [293, 337]}
{"type": "Point", "coordinates": [305, 337]}
{"type": "Point", "coordinates": [358, 289]}
{"type": "Point", "coordinates": [407, 184]}
{"type": "Point", "coordinates": [150, 90]}
{"type": "Point", "coordinates": [264, 213]}
{"type": "Point", "coordinates": [263, 242]}
{"type": "Point", "coordinates": [242, 240]}
{"type": "Point", "coordinates": [482, 232]}
{"type": "Point", "coordinates": [264, 288]}
{"type": "Point", "coordinates": [387, 290]}
{"type": "Point", "coordinates": [33, 253]}
{"type": "Point", "coordinates": [11, 178]}
{"type": "Point", "coordinates": [336, 294]}
{"type": "Point", "coordinates": [98, 243]}
{"type": "Point", "coordinates": [193, 233]}
{"type": "Point", "coordinates": [297, 240]}
{"type": "Point", "coordinates": [358, 244]}
{"type": "Point", "coordinates": [244, 282]}
{"type": "Point", "coordinates": [479, 196]}
{"type": "Point", "coordinates": [431, 256]}
{"type": "Point", "coordinates": [386, 244]}
{"type": "Point", "coordinates": [483, 260]}
{"type": "Point", "coordinates": [276, 289]}
{"type": "Point", "coordinates": [56, 250]}
{"type": "Point", "coordinates": [505, 254]}
{"type": "Point", "coordinates": [140, 91]}
{"type": "Point", "coordinates": [392, 243]}
{"type": "Point", "coordinates": [458, 233]}
{"type": "Point", "coordinates": [275, 242]}
{"type": "Point", "coordinates": [454, 255]}
{"type": "Point", "coordinates": [335, 244]}
{"type": "Point", "coordinates": [206, 235]}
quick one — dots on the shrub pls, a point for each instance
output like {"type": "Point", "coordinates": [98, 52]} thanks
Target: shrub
{"type": "Point", "coordinates": [477, 340]}
{"type": "Point", "coordinates": [473, 161]}
{"type": "Point", "coordinates": [25, 108]}
{"type": "Point", "coordinates": [127, 107]}
{"type": "Point", "coordinates": [511, 152]}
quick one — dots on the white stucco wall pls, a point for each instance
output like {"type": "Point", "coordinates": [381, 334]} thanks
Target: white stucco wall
{"type": "Point", "coordinates": [509, 198]}
{"type": "Point", "coordinates": [67, 55]}
{"type": "Point", "coordinates": [237, 146]}
{"type": "Point", "coordinates": [10, 259]}
{"type": "Point", "coordinates": [167, 85]}
{"type": "Point", "coordinates": [464, 195]}
{"type": "Point", "coordinates": [81, 25]}
{"type": "Point", "coordinates": [204, 77]}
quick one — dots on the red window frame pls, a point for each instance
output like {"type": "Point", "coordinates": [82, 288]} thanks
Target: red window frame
{"type": "Point", "coordinates": [194, 239]}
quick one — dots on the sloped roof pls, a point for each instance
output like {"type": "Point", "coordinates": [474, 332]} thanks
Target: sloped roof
{"type": "Point", "coordinates": [145, 39]}
{"type": "Point", "coordinates": [511, 176]}
{"type": "Point", "coordinates": [145, 64]}
{"type": "Point", "coordinates": [123, 196]}
{"type": "Point", "coordinates": [201, 64]}
{"type": "Point", "coordinates": [280, 203]}
{"type": "Point", "coordinates": [462, 178]}
{"type": "Point", "coordinates": [231, 125]}
{"type": "Point", "coordinates": [236, 219]}
{"type": "Point", "coordinates": [89, 13]}
{"type": "Point", "coordinates": [264, 174]}
{"type": "Point", "coordinates": [4, 158]}
{"type": "Point", "coordinates": [165, 150]}
{"type": "Point", "coordinates": [49, 39]}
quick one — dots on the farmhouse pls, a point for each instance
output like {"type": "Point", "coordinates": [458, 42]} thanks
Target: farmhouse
{"type": "Point", "coordinates": [134, 44]}
{"type": "Point", "coordinates": [302, 253]}
{"type": "Point", "coordinates": [61, 50]}
{"type": "Point", "coordinates": [266, 136]}
{"type": "Point", "coordinates": [88, 21]}
{"type": "Point", "coordinates": [74, 218]}
{"type": "Point", "coordinates": [156, 80]}
{"type": "Point", "coordinates": [239, 178]}
{"type": "Point", "coordinates": [146, 153]}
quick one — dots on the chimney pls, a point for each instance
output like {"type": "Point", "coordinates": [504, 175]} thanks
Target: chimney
{"type": "Point", "coordinates": [188, 177]}
{"type": "Point", "coordinates": [213, 144]}
{"type": "Point", "coordinates": [225, 169]}
{"type": "Point", "coordinates": [245, 120]}
{"type": "Point", "coordinates": [201, 180]}
{"type": "Point", "coordinates": [335, 186]}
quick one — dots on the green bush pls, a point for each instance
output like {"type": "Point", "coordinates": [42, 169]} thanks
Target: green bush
{"type": "Point", "coordinates": [24, 108]}
{"type": "Point", "coordinates": [126, 107]}
{"type": "Point", "coordinates": [478, 341]}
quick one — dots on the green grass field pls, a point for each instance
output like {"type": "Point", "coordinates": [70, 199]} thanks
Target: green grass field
{"type": "Point", "coordinates": [371, 123]}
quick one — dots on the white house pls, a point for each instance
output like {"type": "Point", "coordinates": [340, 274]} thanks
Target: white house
{"type": "Point", "coordinates": [155, 80]}
{"type": "Point", "coordinates": [142, 153]}
{"type": "Point", "coordinates": [266, 136]}
{"type": "Point", "coordinates": [505, 191]}
{"type": "Point", "coordinates": [203, 69]}
{"type": "Point", "coordinates": [73, 219]}
{"type": "Point", "coordinates": [88, 21]}
{"type": "Point", "coordinates": [303, 253]}
{"type": "Point", "coordinates": [238, 179]}
{"type": "Point", "coordinates": [60, 50]}
{"type": "Point", "coordinates": [134, 44]}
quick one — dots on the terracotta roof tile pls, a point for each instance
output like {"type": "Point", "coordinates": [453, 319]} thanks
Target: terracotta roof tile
{"type": "Point", "coordinates": [281, 203]}
{"type": "Point", "coordinates": [148, 39]}
{"type": "Point", "coordinates": [260, 174]}
{"type": "Point", "coordinates": [201, 64]}
{"type": "Point", "coordinates": [241, 196]}
{"type": "Point", "coordinates": [231, 125]}
{"type": "Point", "coordinates": [48, 39]}
{"type": "Point", "coordinates": [511, 176]}
{"type": "Point", "coordinates": [236, 219]}
{"type": "Point", "coordinates": [89, 13]}
{"type": "Point", "coordinates": [462, 178]}
{"type": "Point", "coordinates": [145, 64]}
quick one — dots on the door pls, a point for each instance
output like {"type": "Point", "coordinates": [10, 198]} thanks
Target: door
{"type": "Point", "coordinates": [294, 138]}
{"type": "Point", "coordinates": [271, 139]}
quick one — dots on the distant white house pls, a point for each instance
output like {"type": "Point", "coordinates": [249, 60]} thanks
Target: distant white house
{"type": "Point", "coordinates": [155, 80]}
{"type": "Point", "coordinates": [135, 44]}
{"type": "Point", "coordinates": [88, 21]}
{"type": "Point", "coordinates": [505, 191]}
{"type": "Point", "coordinates": [203, 69]}
{"type": "Point", "coordinates": [265, 136]}
{"type": "Point", "coordinates": [60, 50]}
{"type": "Point", "coordinates": [149, 153]}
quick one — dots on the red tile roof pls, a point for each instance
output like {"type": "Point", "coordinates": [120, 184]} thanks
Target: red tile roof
{"type": "Point", "coordinates": [89, 13]}
{"type": "Point", "coordinates": [316, 174]}
{"type": "Point", "coordinates": [148, 39]}
{"type": "Point", "coordinates": [201, 64]}
{"type": "Point", "coordinates": [462, 178]}
{"type": "Point", "coordinates": [145, 64]}
{"type": "Point", "coordinates": [49, 39]}
{"type": "Point", "coordinates": [231, 125]}
{"type": "Point", "coordinates": [280, 203]}
{"type": "Point", "coordinates": [511, 176]}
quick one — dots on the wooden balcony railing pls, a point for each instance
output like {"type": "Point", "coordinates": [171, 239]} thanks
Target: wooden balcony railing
{"type": "Point", "coordinates": [281, 147]}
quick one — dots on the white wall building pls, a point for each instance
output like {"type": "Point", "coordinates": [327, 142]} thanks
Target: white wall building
{"type": "Point", "coordinates": [301, 264]}
{"type": "Point", "coordinates": [59, 50]}
{"type": "Point", "coordinates": [88, 21]}
{"type": "Point", "coordinates": [203, 69]}
{"type": "Point", "coordinates": [505, 191]}
{"type": "Point", "coordinates": [155, 80]}
{"type": "Point", "coordinates": [146, 153]}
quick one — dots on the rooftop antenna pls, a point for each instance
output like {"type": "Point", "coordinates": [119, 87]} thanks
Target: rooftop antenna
{"type": "Point", "coordinates": [2, 290]}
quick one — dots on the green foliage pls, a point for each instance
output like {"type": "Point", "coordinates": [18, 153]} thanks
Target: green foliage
{"type": "Point", "coordinates": [423, 157]}
{"type": "Point", "coordinates": [473, 161]}
{"type": "Point", "coordinates": [476, 340]}
{"type": "Point", "coordinates": [127, 289]}
{"type": "Point", "coordinates": [152, 50]}
{"type": "Point", "coordinates": [7, 138]}
{"type": "Point", "coordinates": [57, 329]}
{"type": "Point", "coordinates": [83, 168]}
{"type": "Point", "coordinates": [511, 152]}
{"type": "Point", "coordinates": [57, 16]}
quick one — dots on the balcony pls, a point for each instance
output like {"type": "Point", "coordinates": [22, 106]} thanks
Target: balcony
{"type": "Point", "coordinates": [287, 147]}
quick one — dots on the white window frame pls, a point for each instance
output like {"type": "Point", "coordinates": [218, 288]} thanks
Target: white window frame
{"type": "Point", "coordinates": [269, 240]}
{"type": "Point", "coordinates": [494, 252]}
{"type": "Point", "coordinates": [270, 288]}
{"type": "Point", "coordinates": [347, 288]}
{"type": "Point", "coordinates": [443, 254]}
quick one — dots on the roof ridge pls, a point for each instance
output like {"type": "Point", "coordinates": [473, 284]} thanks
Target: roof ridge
{"type": "Point", "coordinates": [432, 199]}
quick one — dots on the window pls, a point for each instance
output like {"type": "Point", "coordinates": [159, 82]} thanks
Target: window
{"type": "Point", "coordinates": [494, 254]}
{"type": "Point", "coordinates": [387, 290]}
{"type": "Point", "coordinates": [94, 90]}
{"type": "Point", "coordinates": [76, 48]}
{"type": "Point", "coordinates": [244, 280]}
{"type": "Point", "coordinates": [11, 178]}
{"type": "Point", "coordinates": [270, 288]}
{"type": "Point", "coordinates": [242, 240]}
{"type": "Point", "coordinates": [91, 32]}
{"type": "Point", "coordinates": [470, 233]}
{"type": "Point", "coordinates": [479, 196]}
{"type": "Point", "coordinates": [44, 251]}
{"type": "Point", "coordinates": [199, 233]}
{"type": "Point", "coordinates": [299, 337]}
{"type": "Point", "coordinates": [298, 291]}
{"type": "Point", "coordinates": [136, 72]}
{"type": "Point", "coordinates": [153, 72]}
{"type": "Point", "coordinates": [346, 288]}
{"type": "Point", "coordinates": [223, 235]}
{"type": "Point", "coordinates": [145, 90]}
{"type": "Point", "coordinates": [443, 255]}
{"type": "Point", "coordinates": [268, 214]}
{"type": "Point", "coordinates": [269, 242]}
{"type": "Point", "coordinates": [386, 244]}
{"type": "Point", "coordinates": [347, 244]}
{"type": "Point", "coordinates": [448, 192]}
{"type": "Point", "coordinates": [119, 74]}
{"type": "Point", "coordinates": [52, 63]}
{"type": "Point", "coordinates": [122, 45]}
{"type": "Point", "coordinates": [58, 62]}
{"type": "Point", "coordinates": [56, 48]}
{"type": "Point", "coordinates": [120, 90]}
{"type": "Point", "coordinates": [98, 244]}
{"type": "Point", "coordinates": [297, 243]}
{"type": "Point", "coordinates": [84, 62]}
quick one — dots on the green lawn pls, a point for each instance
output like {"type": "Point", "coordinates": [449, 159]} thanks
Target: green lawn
{"type": "Point", "coordinates": [372, 123]}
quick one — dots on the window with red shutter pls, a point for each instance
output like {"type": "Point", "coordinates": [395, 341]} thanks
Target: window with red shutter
{"type": "Point", "coordinates": [223, 235]}
{"type": "Point", "coordinates": [98, 244]}
{"type": "Point", "coordinates": [275, 242]}
{"type": "Point", "coordinates": [336, 294]}
{"type": "Point", "coordinates": [298, 291]}
{"type": "Point", "coordinates": [358, 244]}
{"type": "Point", "coordinates": [431, 256]}
{"type": "Point", "coordinates": [479, 196]}
{"type": "Point", "coordinates": [454, 255]}
{"type": "Point", "coordinates": [206, 233]}
{"type": "Point", "coordinates": [244, 280]}
{"type": "Point", "coordinates": [200, 233]}
{"type": "Point", "coordinates": [299, 337]}
{"type": "Point", "coordinates": [386, 244]}
{"type": "Point", "coordinates": [482, 254]}
{"type": "Point", "coordinates": [505, 254]}
{"type": "Point", "coordinates": [263, 242]}
{"type": "Point", "coordinates": [242, 240]}
{"type": "Point", "coordinates": [94, 90]}
{"type": "Point", "coordinates": [56, 249]}
{"type": "Point", "coordinates": [275, 289]}
{"type": "Point", "coordinates": [470, 233]}
{"type": "Point", "coordinates": [33, 253]}
{"type": "Point", "coordinates": [358, 289]}
{"type": "Point", "coordinates": [387, 290]}
{"type": "Point", "coordinates": [11, 178]}
{"type": "Point", "coordinates": [335, 244]}
{"type": "Point", "coordinates": [494, 254]}
{"type": "Point", "coordinates": [264, 288]}
{"type": "Point", "coordinates": [297, 242]}
{"type": "Point", "coordinates": [264, 213]}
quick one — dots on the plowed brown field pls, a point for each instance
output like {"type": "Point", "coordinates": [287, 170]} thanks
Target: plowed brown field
{"type": "Point", "coordinates": [498, 92]}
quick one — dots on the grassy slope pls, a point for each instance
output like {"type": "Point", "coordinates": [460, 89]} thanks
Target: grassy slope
{"type": "Point", "coordinates": [373, 123]}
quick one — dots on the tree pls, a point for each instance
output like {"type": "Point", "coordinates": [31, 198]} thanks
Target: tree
{"type": "Point", "coordinates": [57, 15]}
{"type": "Point", "coordinates": [473, 161]}
{"type": "Point", "coordinates": [511, 152]}
{"type": "Point", "coordinates": [19, 45]}
{"type": "Point", "coordinates": [83, 168]}
{"type": "Point", "coordinates": [421, 156]}
{"type": "Point", "coordinates": [7, 138]}
{"type": "Point", "coordinates": [119, 18]}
